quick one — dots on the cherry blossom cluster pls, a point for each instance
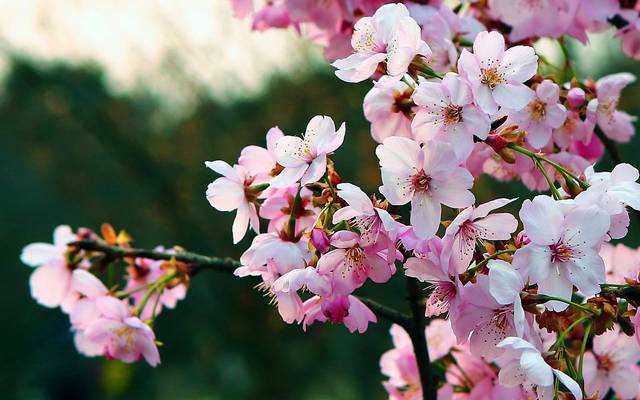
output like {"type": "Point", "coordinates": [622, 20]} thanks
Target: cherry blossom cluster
{"type": "Point", "coordinates": [115, 321]}
{"type": "Point", "coordinates": [331, 23]}
{"type": "Point", "coordinates": [524, 297]}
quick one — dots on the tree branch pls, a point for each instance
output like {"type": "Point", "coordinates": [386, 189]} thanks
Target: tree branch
{"type": "Point", "coordinates": [199, 262]}
{"type": "Point", "coordinates": [416, 331]}
{"type": "Point", "coordinates": [196, 261]}
{"type": "Point", "coordinates": [387, 313]}
{"type": "Point", "coordinates": [611, 147]}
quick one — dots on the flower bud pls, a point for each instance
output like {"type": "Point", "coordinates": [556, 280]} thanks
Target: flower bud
{"type": "Point", "coordinates": [576, 97]}
{"type": "Point", "coordinates": [499, 141]}
{"type": "Point", "coordinates": [320, 240]}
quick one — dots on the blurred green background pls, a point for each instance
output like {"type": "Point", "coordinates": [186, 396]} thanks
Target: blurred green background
{"type": "Point", "coordinates": [73, 152]}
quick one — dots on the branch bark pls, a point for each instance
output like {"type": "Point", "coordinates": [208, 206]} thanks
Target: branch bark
{"type": "Point", "coordinates": [199, 262]}
{"type": "Point", "coordinates": [416, 331]}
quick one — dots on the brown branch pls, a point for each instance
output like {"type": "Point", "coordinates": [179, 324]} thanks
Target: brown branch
{"type": "Point", "coordinates": [199, 262]}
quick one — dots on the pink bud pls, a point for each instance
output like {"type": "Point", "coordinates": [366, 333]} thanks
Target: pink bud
{"type": "Point", "coordinates": [320, 240]}
{"type": "Point", "coordinates": [576, 97]}
{"type": "Point", "coordinates": [522, 239]}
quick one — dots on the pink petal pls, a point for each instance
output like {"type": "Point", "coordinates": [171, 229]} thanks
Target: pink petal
{"type": "Point", "coordinates": [50, 284]}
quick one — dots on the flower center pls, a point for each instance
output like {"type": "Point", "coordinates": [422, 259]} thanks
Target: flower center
{"type": "Point", "coordinates": [501, 316]}
{"type": "Point", "coordinates": [491, 77]}
{"type": "Point", "coordinates": [606, 363]}
{"type": "Point", "coordinates": [128, 335]}
{"type": "Point", "coordinates": [402, 103]}
{"type": "Point", "coordinates": [421, 181]}
{"type": "Point", "coordinates": [452, 114]}
{"type": "Point", "coordinates": [560, 252]}
{"type": "Point", "coordinates": [537, 109]}
{"type": "Point", "coordinates": [609, 107]}
{"type": "Point", "coordinates": [355, 257]}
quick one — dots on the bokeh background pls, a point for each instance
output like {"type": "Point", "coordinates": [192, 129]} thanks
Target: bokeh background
{"type": "Point", "coordinates": [108, 110]}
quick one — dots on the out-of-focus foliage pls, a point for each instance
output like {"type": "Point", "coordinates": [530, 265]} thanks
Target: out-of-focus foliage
{"type": "Point", "coordinates": [71, 152]}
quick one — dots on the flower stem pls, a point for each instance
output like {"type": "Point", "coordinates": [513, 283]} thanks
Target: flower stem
{"type": "Point", "coordinates": [560, 340]}
{"type": "Point", "coordinates": [552, 187]}
{"type": "Point", "coordinates": [292, 216]}
{"type": "Point", "coordinates": [546, 298]}
{"type": "Point", "coordinates": [583, 348]}
{"type": "Point", "coordinates": [565, 172]}
{"type": "Point", "coordinates": [493, 256]}
{"type": "Point", "coordinates": [159, 284]}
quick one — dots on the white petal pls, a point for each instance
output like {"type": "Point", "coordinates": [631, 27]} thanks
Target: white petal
{"type": "Point", "coordinates": [537, 370]}
{"type": "Point", "coordinates": [505, 282]}
{"type": "Point", "coordinates": [569, 383]}
{"type": "Point", "coordinates": [519, 63]}
{"type": "Point", "coordinates": [514, 96]}
{"type": "Point", "coordinates": [542, 219]}
{"type": "Point", "coordinates": [425, 215]}
{"type": "Point", "coordinates": [489, 48]}
{"type": "Point", "coordinates": [290, 151]}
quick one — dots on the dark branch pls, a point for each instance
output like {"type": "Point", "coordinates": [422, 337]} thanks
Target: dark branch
{"type": "Point", "coordinates": [387, 313]}
{"type": "Point", "coordinates": [416, 331]}
{"type": "Point", "coordinates": [196, 261]}
{"type": "Point", "coordinates": [611, 147]}
{"type": "Point", "coordinates": [199, 263]}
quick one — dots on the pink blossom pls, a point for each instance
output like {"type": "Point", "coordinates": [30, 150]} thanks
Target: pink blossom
{"type": "Point", "coordinates": [630, 36]}
{"type": "Point", "coordinates": [496, 76]}
{"type": "Point", "coordinates": [390, 36]}
{"type": "Point", "coordinates": [50, 282]}
{"type": "Point", "coordinates": [563, 248]}
{"type": "Point", "coordinates": [232, 192]}
{"type": "Point", "coordinates": [305, 159]}
{"type": "Point", "coordinates": [430, 267]}
{"type": "Point", "coordinates": [447, 113]}
{"type": "Point", "coordinates": [106, 325]}
{"type": "Point", "coordinates": [349, 310]}
{"type": "Point", "coordinates": [621, 262]}
{"type": "Point", "coordinates": [271, 256]}
{"type": "Point", "coordinates": [440, 27]}
{"type": "Point", "coordinates": [271, 15]}
{"type": "Point", "coordinates": [277, 208]}
{"type": "Point", "coordinates": [530, 18]}
{"type": "Point", "coordinates": [370, 221]}
{"type": "Point", "coordinates": [616, 124]}
{"type": "Point", "coordinates": [541, 115]}
{"type": "Point", "coordinates": [615, 189]}
{"type": "Point", "coordinates": [475, 223]}
{"type": "Point", "coordinates": [612, 365]}
{"type": "Point", "coordinates": [123, 336]}
{"type": "Point", "coordinates": [242, 8]}
{"type": "Point", "coordinates": [473, 378]}
{"type": "Point", "coordinates": [426, 175]}
{"type": "Point", "coordinates": [573, 130]}
{"type": "Point", "coordinates": [522, 364]}
{"type": "Point", "coordinates": [389, 109]}
{"type": "Point", "coordinates": [261, 163]}
{"type": "Point", "coordinates": [351, 264]}
{"type": "Point", "coordinates": [592, 16]}
{"type": "Point", "coordinates": [485, 321]}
